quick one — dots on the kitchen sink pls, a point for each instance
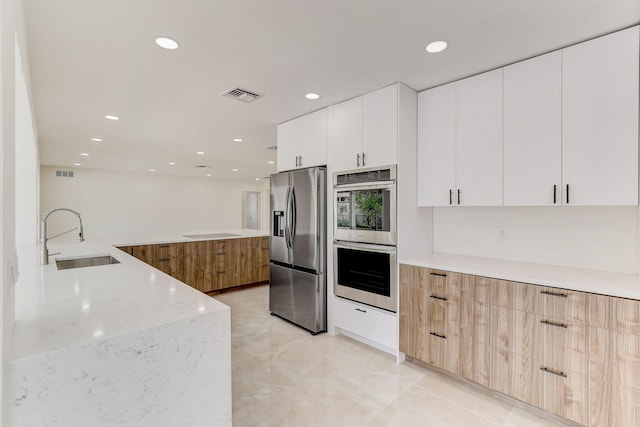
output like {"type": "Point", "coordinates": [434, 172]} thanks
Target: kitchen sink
{"type": "Point", "coordinates": [211, 236]}
{"type": "Point", "coordinates": [88, 261]}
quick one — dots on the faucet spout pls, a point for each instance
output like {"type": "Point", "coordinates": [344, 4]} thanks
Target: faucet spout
{"type": "Point", "coordinates": [44, 251]}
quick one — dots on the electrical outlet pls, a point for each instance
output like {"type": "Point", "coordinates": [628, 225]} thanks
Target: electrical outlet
{"type": "Point", "coordinates": [502, 233]}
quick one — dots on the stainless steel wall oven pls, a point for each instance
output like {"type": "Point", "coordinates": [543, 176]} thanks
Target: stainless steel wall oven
{"type": "Point", "coordinates": [365, 262]}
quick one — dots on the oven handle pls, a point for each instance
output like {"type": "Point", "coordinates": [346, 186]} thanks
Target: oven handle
{"type": "Point", "coordinates": [369, 247]}
{"type": "Point", "coordinates": [364, 185]}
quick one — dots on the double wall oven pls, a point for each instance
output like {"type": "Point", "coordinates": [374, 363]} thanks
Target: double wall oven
{"type": "Point", "coordinates": [364, 246]}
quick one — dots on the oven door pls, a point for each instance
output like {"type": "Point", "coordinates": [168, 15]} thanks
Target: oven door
{"type": "Point", "coordinates": [365, 213]}
{"type": "Point", "coordinates": [366, 273]}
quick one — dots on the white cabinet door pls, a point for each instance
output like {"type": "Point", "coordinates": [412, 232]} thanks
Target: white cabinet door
{"type": "Point", "coordinates": [380, 127]}
{"type": "Point", "coordinates": [479, 139]}
{"type": "Point", "coordinates": [302, 142]}
{"type": "Point", "coordinates": [600, 120]}
{"type": "Point", "coordinates": [313, 150]}
{"type": "Point", "coordinates": [347, 134]}
{"type": "Point", "coordinates": [377, 326]}
{"type": "Point", "coordinates": [437, 146]}
{"type": "Point", "coordinates": [533, 131]}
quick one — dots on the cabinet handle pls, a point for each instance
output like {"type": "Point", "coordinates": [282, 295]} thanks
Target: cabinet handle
{"type": "Point", "coordinates": [438, 274]}
{"type": "Point", "coordinates": [567, 193]}
{"type": "Point", "coordinates": [363, 159]}
{"type": "Point", "coordinates": [554, 294]}
{"type": "Point", "coordinates": [164, 259]}
{"type": "Point", "coordinates": [438, 298]}
{"type": "Point", "coordinates": [361, 310]}
{"type": "Point", "coordinates": [551, 371]}
{"type": "Point", "coordinates": [450, 196]}
{"type": "Point", "coordinates": [358, 155]}
{"type": "Point", "coordinates": [554, 193]}
{"type": "Point", "coordinates": [438, 335]}
{"type": "Point", "coordinates": [557, 325]}
{"type": "Point", "coordinates": [458, 196]}
{"type": "Point", "coordinates": [296, 161]}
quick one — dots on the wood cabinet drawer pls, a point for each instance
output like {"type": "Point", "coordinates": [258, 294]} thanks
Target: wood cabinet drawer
{"type": "Point", "coordinates": [512, 374]}
{"type": "Point", "coordinates": [561, 304]}
{"type": "Point", "coordinates": [514, 295]}
{"type": "Point", "coordinates": [370, 323]}
{"type": "Point", "coordinates": [619, 314]}
{"type": "Point", "coordinates": [443, 352]}
{"type": "Point", "coordinates": [563, 393]}
{"type": "Point", "coordinates": [446, 284]}
{"type": "Point", "coordinates": [561, 345]}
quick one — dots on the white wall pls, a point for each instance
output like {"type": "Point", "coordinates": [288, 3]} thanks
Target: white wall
{"type": "Point", "coordinates": [117, 203]}
{"type": "Point", "coordinates": [27, 160]}
{"type": "Point", "coordinates": [601, 238]}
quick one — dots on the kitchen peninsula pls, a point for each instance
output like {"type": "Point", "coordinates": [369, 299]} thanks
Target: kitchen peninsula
{"type": "Point", "coordinates": [117, 344]}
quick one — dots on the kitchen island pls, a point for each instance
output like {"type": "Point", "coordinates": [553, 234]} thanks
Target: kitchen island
{"type": "Point", "coordinates": [119, 344]}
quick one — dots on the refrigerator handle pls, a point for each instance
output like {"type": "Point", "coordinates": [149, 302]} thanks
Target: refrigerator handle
{"type": "Point", "coordinates": [287, 230]}
{"type": "Point", "coordinates": [294, 215]}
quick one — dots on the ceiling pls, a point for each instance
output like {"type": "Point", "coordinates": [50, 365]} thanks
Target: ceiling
{"type": "Point", "coordinates": [91, 58]}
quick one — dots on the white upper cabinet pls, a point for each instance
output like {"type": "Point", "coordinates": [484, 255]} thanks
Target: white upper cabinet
{"type": "Point", "coordinates": [380, 127]}
{"type": "Point", "coordinates": [347, 133]}
{"type": "Point", "coordinates": [365, 130]}
{"type": "Point", "coordinates": [479, 140]}
{"type": "Point", "coordinates": [460, 143]}
{"type": "Point", "coordinates": [437, 146]}
{"type": "Point", "coordinates": [302, 142]}
{"type": "Point", "coordinates": [533, 131]}
{"type": "Point", "coordinates": [600, 120]}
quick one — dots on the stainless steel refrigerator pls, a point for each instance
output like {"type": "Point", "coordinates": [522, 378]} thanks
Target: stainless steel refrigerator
{"type": "Point", "coordinates": [298, 248]}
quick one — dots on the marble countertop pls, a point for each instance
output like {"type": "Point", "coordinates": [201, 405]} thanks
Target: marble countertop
{"type": "Point", "coordinates": [57, 309]}
{"type": "Point", "coordinates": [593, 281]}
{"type": "Point", "coordinates": [156, 238]}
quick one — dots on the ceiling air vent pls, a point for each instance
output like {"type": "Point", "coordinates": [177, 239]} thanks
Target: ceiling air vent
{"type": "Point", "coordinates": [203, 166]}
{"type": "Point", "coordinates": [65, 174]}
{"type": "Point", "coordinates": [242, 94]}
{"type": "Point", "coordinates": [272, 147]}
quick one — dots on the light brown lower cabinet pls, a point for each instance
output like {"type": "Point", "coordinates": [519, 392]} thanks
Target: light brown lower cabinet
{"type": "Point", "coordinates": [573, 354]}
{"type": "Point", "coordinates": [209, 265]}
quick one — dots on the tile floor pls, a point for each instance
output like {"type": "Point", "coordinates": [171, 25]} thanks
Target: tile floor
{"type": "Point", "coordinates": [283, 376]}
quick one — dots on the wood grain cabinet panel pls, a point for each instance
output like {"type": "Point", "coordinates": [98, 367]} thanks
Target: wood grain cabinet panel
{"type": "Point", "coordinates": [563, 344]}
{"type": "Point", "coordinates": [563, 393]}
{"type": "Point", "coordinates": [561, 304]}
{"type": "Point", "coordinates": [513, 375]}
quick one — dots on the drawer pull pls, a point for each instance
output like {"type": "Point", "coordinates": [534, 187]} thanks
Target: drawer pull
{"type": "Point", "coordinates": [438, 274]}
{"type": "Point", "coordinates": [554, 294]}
{"type": "Point", "coordinates": [164, 259]}
{"type": "Point", "coordinates": [361, 310]}
{"type": "Point", "coordinates": [557, 325]}
{"type": "Point", "coordinates": [438, 298]}
{"type": "Point", "coordinates": [438, 335]}
{"type": "Point", "coordinates": [551, 371]}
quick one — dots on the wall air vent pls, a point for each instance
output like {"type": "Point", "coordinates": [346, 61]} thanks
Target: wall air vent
{"type": "Point", "coordinates": [272, 147]}
{"type": "Point", "coordinates": [65, 174]}
{"type": "Point", "coordinates": [242, 94]}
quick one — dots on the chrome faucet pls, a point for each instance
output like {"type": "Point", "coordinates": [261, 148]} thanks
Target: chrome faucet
{"type": "Point", "coordinates": [44, 252]}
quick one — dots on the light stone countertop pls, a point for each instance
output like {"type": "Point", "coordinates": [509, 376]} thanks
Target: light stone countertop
{"type": "Point", "coordinates": [593, 281]}
{"type": "Point", "coordinates": [58, 309]}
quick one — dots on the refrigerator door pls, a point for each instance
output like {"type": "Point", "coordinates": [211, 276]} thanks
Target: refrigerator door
{"type": "Point", "coordinates": [280, 214]}
{"type": "Point", "coordinates": [299, 297]}
{"type": "Point", "coordinates": [308, 197]}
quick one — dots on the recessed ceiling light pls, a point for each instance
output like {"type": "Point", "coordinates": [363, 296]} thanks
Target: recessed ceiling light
{"type": "Point", "coordinates": [312, 96]}
{"type": "Point", "coordinates": [84, 154]}
{"type": "Point", "coordinates": [435, 47]}
{"type": "Point", "coordinates": [172, 163]}
{"type": "Point", "coordinates": [200, 152]}
{"type": "Point", "coordinates": [112, 117]}
{"type": "Point", "coordinates": [77, 164]}
{"type": "Point", "coordinates": [234, 169]}
{"type": "Point", "coordinates": [152, 170]}
{"type": "Point", "coordinates": [167, 43]}
{"type": "Point", "coordinates": [96, 139]}
{"type": "Point", "coordinates": [237, 139]}
{"type": "Point", "coordinates": [208, 174]}
{"type": "Point", "coordinates": [257, 179]}
{"type": "Point", "coordinates": [271, 162]}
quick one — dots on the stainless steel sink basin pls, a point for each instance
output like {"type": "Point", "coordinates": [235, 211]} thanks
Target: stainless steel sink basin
{"type": "Point", "coordinates": [88, 261]}
{"type": "Point", "coordinates": [210, 236]}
